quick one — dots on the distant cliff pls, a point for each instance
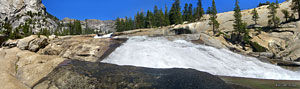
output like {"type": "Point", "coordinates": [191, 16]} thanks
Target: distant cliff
{"type": "Point", "coordinates": [32, 12]}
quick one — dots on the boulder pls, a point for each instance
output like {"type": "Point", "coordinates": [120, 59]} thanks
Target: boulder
{"type": "Point", "coordinates": [81, 47]}
{"type": "Point", "coordinates": [24, 43]}
{"type": "Point", "coordinates": [292, 52]}
{"type": "Point", "coordinates": [37, 44]}
{"type": "Point", "coordinates": [32, 43]}
{"type": "Point", "coordinates": [90, 75]}
{"type": "Point", "coordinates": [211, 41]}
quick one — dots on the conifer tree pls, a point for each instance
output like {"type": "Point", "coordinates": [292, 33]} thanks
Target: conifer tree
{"type": "Point", "coordinates": [277, 4]}
{"type": "Point", "coordinates": [175, 13]}
{"type": "Point", "coordinates": [213, 17]}
{"type": "Point", "coordinates": [8, 30]}
{"type": "Point", "coordinates": [142, 20]}
{"type": "Point", "coordinates": [167, 20]}
{"type": "Point", "coordinates": [190, 13]}
{"type": "Point", "coordinates": [119, 25]}
{"type": "Point", "coordinates": [241, 35]}
{"type": "Point", "coordinates": [26, 29]}
{"type": "Point", "coordinates": [149, 19]}
{"type": "Point", "coordinates": [238, 18]}
{"type": "Point", "coordinates": [286, 14]}
{"type": "Point", "coordinates": [273, 19]}
{"type": "Point", "coordinates": [199, 10]}
{"type": "Point", "coordinates": [77, 27]}
{"type": "Point", "coordinates": [156, 16]}
{"type": "Point", "coordinates": [137, 20]}
{"type": "Point", "coordinates": [185, 12]}
{"type": "Point", "coordinates": [161, 18]}
{"type": "Point", "coordinates": [255, 15]}
{"type": "Point", "coordinates": [296, 7]}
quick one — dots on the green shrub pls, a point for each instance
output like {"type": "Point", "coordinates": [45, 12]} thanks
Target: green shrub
{"type": "Point", "coordinates": [257, 48]}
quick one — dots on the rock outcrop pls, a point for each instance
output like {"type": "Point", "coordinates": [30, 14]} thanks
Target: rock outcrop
{"type": "Point", "coordinates": [31, 12]}
{"type": "Point", "coordinates": [84, 48]}
{"type": "Point", "coordinates": [32, 43]}
{"type": "Point", "coordinates": [21, 69]}
{"type": "Point", "coordinates": [89, 75]}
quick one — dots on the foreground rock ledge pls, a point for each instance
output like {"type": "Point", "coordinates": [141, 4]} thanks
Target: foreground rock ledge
{"type": "Point", "coordinates": [72, 74]}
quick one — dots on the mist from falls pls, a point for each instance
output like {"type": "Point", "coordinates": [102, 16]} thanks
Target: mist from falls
{"type": "Point", "coordinates": [161, 53]}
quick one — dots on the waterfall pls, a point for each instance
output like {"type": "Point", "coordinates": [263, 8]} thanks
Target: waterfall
{"type": "Point", "coordinates": [159, 52]}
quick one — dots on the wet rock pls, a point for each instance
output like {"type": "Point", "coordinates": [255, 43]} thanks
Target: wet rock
{"type": "Point", "coordinates": [262, 54]}
{"type": "Point", "coordinates": [90, 75]}
{"type": "Point", "coordinates": [286, 63]}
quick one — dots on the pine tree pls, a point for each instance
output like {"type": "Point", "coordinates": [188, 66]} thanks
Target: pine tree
{"type": "Point", "coordinates": [175, 13]}
{"type": "Point", "coordinates": [156, 16]}
{"type": "Point", "coordinates": [167, 20]}
{"type": "Point", "coordinates": [71, 28]}
{"type": "Point", "coordinates": [208, 11]}
{"type": "Point", "coordinates": [142, 20]}
{"type": "Point", "coordinates": [130, 24]}
{"type": "Point", "coordinates": [185, 12]}
{"type": "Point", "coordinates": [119, 25]}
{"type": "Point", "coordinates": [126, 24]}
{"type": "Point", "coordinates": [161, 18]}
{"type": "Point", "coordinates": [149, 19]}
{"type": "Point", "coordinates": [277, 4]}
{"type": "Point", "coordinates": [8, 30]}
{"type": "Point", "coordinates": [273, 19]}
{"type": "Point", "coordinates": [296, 7]}
{"type": "Point", "coordinates": [199, 11]}
{"type": "Point", "coordinates": [190, 13]}
{"type": "Point", "coordinates": [255, 15]}
{"type": "Point", "coordinates": [286, 14]}
{"type": "Point", "coordinates": [26, 29]}
{"type": "Point", "coordinates": [137, 20]}
{"type": "Point", "coordinates": [238, 18]}
{"type": "Point", "coordinates": [239, 26]}
{"type": "Point", "coordinates": [78, 28]}
{"type": "Point", "coordinates": [213, 17]}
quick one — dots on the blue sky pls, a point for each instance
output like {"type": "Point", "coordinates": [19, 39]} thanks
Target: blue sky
{"type": "Point", "coordinates": [111, 9]}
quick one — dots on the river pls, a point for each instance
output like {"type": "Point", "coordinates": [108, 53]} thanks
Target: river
{"type": "Point", "coordinates": [159, 52]}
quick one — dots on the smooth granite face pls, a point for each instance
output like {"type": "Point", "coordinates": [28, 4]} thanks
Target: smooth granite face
{"type": "Point", "coordinates": [90, 75]}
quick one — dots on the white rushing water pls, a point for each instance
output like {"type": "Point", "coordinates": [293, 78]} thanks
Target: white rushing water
{"type": "Point", "coordinates": [162, 53]}
{"type": "Point", "coordinates": [104, 36]}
